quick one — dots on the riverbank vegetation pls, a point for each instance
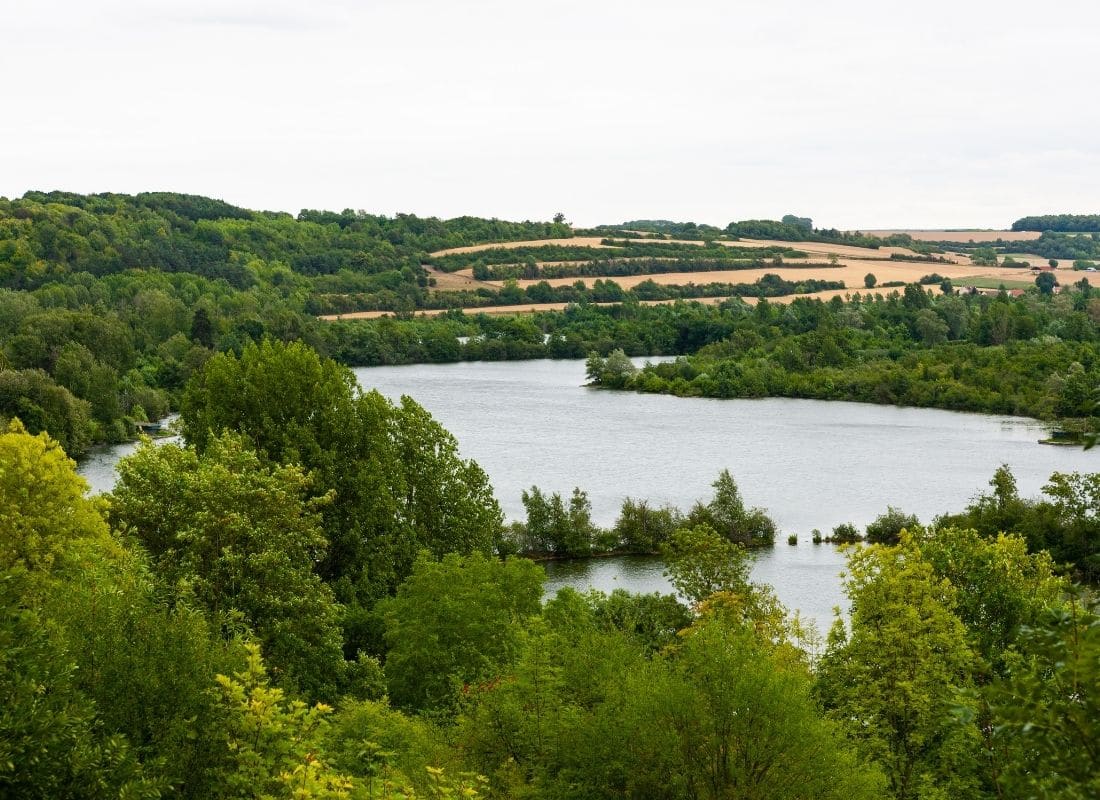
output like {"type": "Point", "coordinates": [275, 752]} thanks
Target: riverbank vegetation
{"type": "Point", "coordinates": [1036, 355]}
{"type": "Point", "coordinates": [557, 529]}
{"type": "Point", "coordinates": [307, 599]}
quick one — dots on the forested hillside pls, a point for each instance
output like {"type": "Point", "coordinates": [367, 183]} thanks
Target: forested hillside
{"type": "Point", "coordinates": [108, 303]}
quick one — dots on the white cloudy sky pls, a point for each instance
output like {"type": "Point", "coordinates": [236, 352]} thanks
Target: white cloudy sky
{"type": "Point", "coordinates": [858, 113]}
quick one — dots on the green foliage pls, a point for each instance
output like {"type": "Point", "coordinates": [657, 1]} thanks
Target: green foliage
{"type": "Point", "coordinates": [228, 534]}
{"type": "Point", "coordinates": [1059, 222]}
{"type": "Point", "coordinates": [552, 527]}
{"type": "Point", "coordinates": [887, 527]}
{"type": "Point", "coordinates": [721, 714]}
{"type": "Point", "coordinates": [399, 482]}
{"type": "Point", "coordinates": [701, 562]}
{"type": "Point", "coordinates": [50, 744]}
{"type": "Point", "coordinates": [845, 533]}
{"type": "Point", "coordinates": [1046, 282]}
{"type": "Point", "coordinates": [999, 586]}
{"type": "Point", "coordinates": [643, 528]}
{"type": "Point", "coordinates": [1047, 708]}
{"type": "Point", "coordinates": [33, 397]}
{"type": "Point", "coordinates": [612, 372]}
{"type": "Point", "coordinates": [1066, 523]}
{"type": "Point", "coordinates": [455, 622]}
{"type": "Point", "coordinates": [44, 515]}
{"type": "Point", "coordinates": [892, 680]}
{"type": "Point", "coordinates": [726, 514]}
{"type": "Point", "coordinates": [273, 744]}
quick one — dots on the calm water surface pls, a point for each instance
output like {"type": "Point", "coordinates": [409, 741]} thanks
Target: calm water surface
{"type": "Point", "coordinates": [811, 464]}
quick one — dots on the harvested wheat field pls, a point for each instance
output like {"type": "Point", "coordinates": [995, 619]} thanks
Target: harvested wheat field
{"type": "Point", "coordinates": [462, 280]}
{"type": "Point", "coordinates": [577, 241]}
{"type": "Point", "coordinates": [962, 236]}
{"type": "Point", "coordinates": [528, 308]}
{"type": "Point", "coordinates": [823, 249]}
{"type": "Point", "coordinates": [851, 272]}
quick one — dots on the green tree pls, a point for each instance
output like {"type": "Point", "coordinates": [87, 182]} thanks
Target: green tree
{"type": "Point", "coordinates": [275, 744]}
{"type": "Point", "coordinates": [726, 513]}
{"type": "Point", "coordinates": [399, 482]}
{"type": "Point", "coordinates": [893, 679]}
{"type": "Point", "coordinates": [642, 528]}
{"type": "Point", "coordinates": [1000, 587]}
{"type": "Point", "coordinates": [44, 514]}
{"type": "Point", "coordinates": [1046, 709]}
{"type": "Point", "coordinates": [229, 533]}
{"type": "Point", "coordinates": [887, 527]}
{"type": "Point", "coordinates": [869, 280]}
{"type": "Point", "coordinates": [454, 622]}
{"type": "Point", "coordinates": [50, 743]}
{"type": "Point", "coordinates": [1046, 282]}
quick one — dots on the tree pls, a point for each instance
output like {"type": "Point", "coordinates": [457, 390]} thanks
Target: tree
{"type": "Point", "coordinates": [869, 280]}
{"type": "Point", "coordinates": [931, 329]}
{"type": "Point", "coordinates": [1046, 709]}
{"type": "Point", "coordinates": [274, 744]}
{"type": "Point", "coordinates": [1000, 587]}
{"type": "Point", "coordinates": [887, 527]}
{"type": "Point", "coordinates": [455, 622]}
{"type": "Point", "coordinates": [1046, 282]}
{"type": "Point", "coordinates": [202, 329]}
{"type": "Point", "coordinates": [892, 680]}
{"type": "Point", "coordinates": [50, 743]}
{"type": "Point", "coordinates": [641, 528]}
{"type": "Point", "coordinates": [45, 517]}
{"type": "Point", "coordinates": [230, 534]}
{"type": "Point", "coordinates": [399, 482]}
{"type": "Point", "coordinates": [553, 528]}
{"type": "Point", "coordinates": [726, 513]}
{"type": "Point", "coordinates": [699, 562]}
{"type": "Point", "coordinates": [41, 405]}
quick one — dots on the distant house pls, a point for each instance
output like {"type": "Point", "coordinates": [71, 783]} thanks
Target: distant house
{"type": "Point", "coordinates": [1044, 268]}
{"type": "Point", "coordinates": [1016, 292]}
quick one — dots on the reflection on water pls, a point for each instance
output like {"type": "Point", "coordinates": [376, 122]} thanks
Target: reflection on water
{"type": "Point", "coordinates": [804, 577]}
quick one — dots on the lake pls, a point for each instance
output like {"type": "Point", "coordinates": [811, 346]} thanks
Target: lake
{"type": "Point", "coordinates": [809, 463]}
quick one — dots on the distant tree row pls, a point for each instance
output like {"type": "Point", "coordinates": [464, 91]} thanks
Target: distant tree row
{"type": "Point", "coordinates": [1062, 223]}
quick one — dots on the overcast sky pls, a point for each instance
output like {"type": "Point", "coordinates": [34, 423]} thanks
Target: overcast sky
{"type": "Point", "coordinates": [857, 113]}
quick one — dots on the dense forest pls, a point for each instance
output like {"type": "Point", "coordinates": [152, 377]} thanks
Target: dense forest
{"type": "Point", "coordinates": [309, 598]}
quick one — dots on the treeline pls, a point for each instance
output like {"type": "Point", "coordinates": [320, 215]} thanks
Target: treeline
{"type": "Point", "coordinates": [1048, 245]}
{"type": "Point", "coordinates": [795, 230]}
{"type": "Point", "coordinates": [617, 267]}
{"type": "Point", "coordinates": [456, 336]}
{"type": "Point", "coordinates": [670, 229]}
{"type": "Point", "coordinates": [304, 600]}
{"type": "Point", "coordinates": [612, 248]}
{"type": "Point", "coordinates": [601, 291]}
{"type": "Point", "coordinates": [1063, 223]}
{"type": "Point", "coordinates": [558, 528]}
{"type": "Point", "coordinates": [1032, 356]}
